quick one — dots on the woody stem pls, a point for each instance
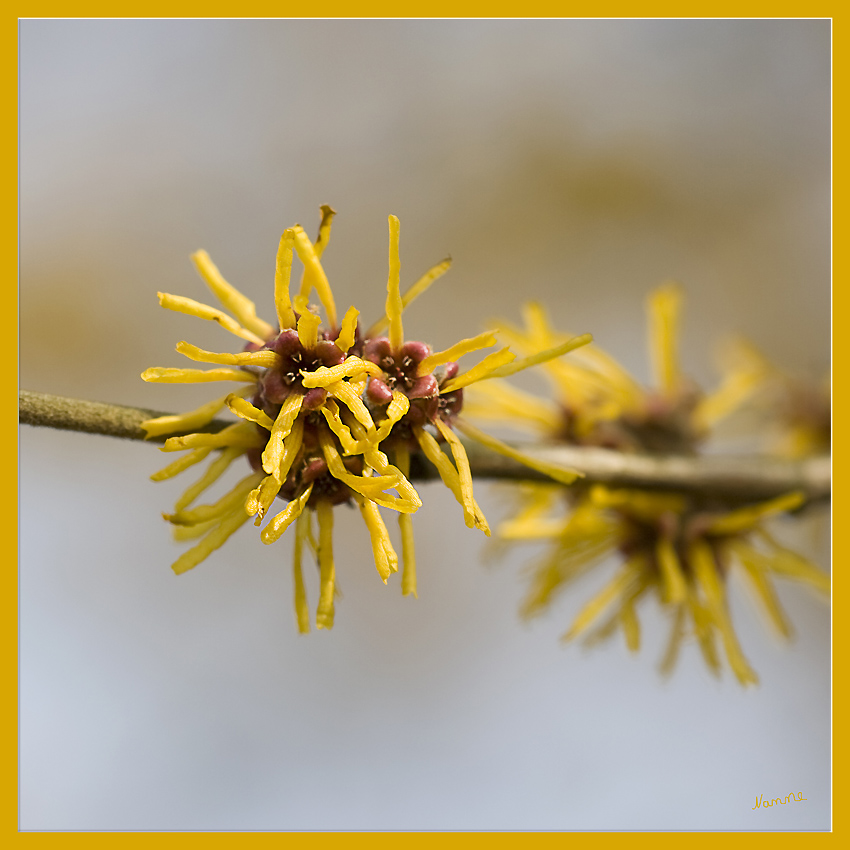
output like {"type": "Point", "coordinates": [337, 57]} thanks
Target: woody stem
{"type": "Point", "coordinates": [730, 479]}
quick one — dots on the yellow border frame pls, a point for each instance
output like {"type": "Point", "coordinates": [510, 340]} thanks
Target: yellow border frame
{"type": "Point", "coordinates": [8, 436]}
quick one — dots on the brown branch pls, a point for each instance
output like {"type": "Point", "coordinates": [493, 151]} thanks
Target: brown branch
{"type": "Point", "coordinates": [727, 478]}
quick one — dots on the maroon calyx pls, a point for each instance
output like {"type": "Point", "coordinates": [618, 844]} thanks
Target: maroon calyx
{"type": "Point", "coordinates": [401, 369]}
{"type": "Point", "coordinates": [280, 382]}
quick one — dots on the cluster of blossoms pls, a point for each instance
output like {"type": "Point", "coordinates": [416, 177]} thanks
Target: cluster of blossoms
{"type": "Point", "coordinates": [679, 547]}
{"type": "Point", "coordinates": [329, 415]}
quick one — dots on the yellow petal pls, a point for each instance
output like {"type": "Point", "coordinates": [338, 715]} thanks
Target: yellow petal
{"type": "Point", "coordinates": [348, 331]}
{"type": "Point", "coordinates": [181, 464]}
{"type": "Point", "coordinates": [314, 274]}
{"type": "Point", "coordinates": [220, 533]}
{"type": "Point", "coordinates": [260, 499]}
{"type": "Point", "coordinates": [619, 586]}
{"type": "Point", "coordinates": [664, 307]}
{"type": "Point", "coordinates": [701, 558]}
{"type": "Point", "coordinates": [745, 519]}
{"type": "Point", "coordinates": [278, 524]}
{"type": "Point", "coordinates": [167, 375]}
{"type": "Point", "coordinates": [675, 589]}
{"type": "Point", "coordinates": [479, 371]}
{"type": "Point", "coordinates": [674, 642]}
{"type": "Point", "coordinates": [282, 274]}
{"type": "Point", "coordinates": [394, 304]}
{"type": "Point", "coordinates": [245, 410]}
{"type": "Point", "coordinates": [386, 560]}
{"type": "Point", "coordinates": [308, 329]}
{"type": "Point", "coordinates": [191, 421]}
{"type": "Point", "coordinates": [213, 473]}
{"type": "Point", "coordinates": [541, 356]}
{"type": "Point", "coordinates": [412, 294]}
{"type": "Point", "coordinates": [283, 425]}
{"type": "Point", "coordinates": [324, 236]}
{"type": "Point", "coordinates": [265, 359]}
{"type": "Point", "coordinates": [455, 352]}
{"type": "Point", "coordinates": [405, 524]}
{"type": "Point", "coordinates": [241, 307]}
{"type": "Point", "coordinates": [562, 474]}
{"type": "Point", "coordinates": [464, 475]}
{"type": "Point", "coordinates": [327, 575]}
{"type": "Point", "coordinates": [351, 366]}
{"type": "Point", "coordinates": [756, 573]}
{"type": "Point", "coordinates": [302, 612]}
{"type": "Point", "coordinates": [201, 311]}
{"type": "Point", "coordinates": [233, 435]}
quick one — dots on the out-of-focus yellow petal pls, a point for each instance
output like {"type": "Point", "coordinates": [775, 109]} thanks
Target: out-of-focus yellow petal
{"type": "Point", "coordinates": [705, 571]}
{"type": "Point", "coordinates": [745, 519]}
{"type": "Point", "coordinates": [675, 589]}
{"type": "Point", "coordinates": [664, 307]}
{"type": "Point", "coordinates": [674, 642]}
{"type": "Point", "coordinates": [754, 570]}
{"type": "Point", "coordinates": [790, 565]}
{"type": "Point", "coordinates": [619, 586]}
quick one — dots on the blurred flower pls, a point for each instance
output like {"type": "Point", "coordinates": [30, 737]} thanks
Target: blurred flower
{"type": "Point", "coordinates": [326, 405]}
{"type": "Point", "coordinates": [799, 416]}
{"type": "Point", "coordinates": [672, 548]}
{"type": "Point", "coordinates": [679, 547]}
{"type": "Point", "coordinates": [597, 402]}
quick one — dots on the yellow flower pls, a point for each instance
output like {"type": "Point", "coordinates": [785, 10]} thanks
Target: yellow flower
{"type": "Point", "coordinates": [321, 404]}
{"type": "Point", "coordinates": [598, 402]}
{"type": "Point", "coordinates": [671, 548]}
{"type": "Point", "coordinates": [671, 544]}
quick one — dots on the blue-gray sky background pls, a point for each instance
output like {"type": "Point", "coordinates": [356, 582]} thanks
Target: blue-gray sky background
{"type": "Point", "coordinates": [579, 163]}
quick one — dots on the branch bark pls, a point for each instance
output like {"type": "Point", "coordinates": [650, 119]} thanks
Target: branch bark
{"type": "Point", "coordinates": [730, 479]}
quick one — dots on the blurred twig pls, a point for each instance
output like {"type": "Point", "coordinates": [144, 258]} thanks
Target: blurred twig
{"type": "Point", "coordinates": [729, 478]}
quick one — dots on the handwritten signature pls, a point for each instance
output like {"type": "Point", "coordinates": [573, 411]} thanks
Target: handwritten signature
{"type": "Point", "coordinates": [767, 804]}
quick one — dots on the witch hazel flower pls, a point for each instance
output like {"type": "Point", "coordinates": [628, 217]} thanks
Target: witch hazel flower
{"type": "Point", "coordinates": [329, 415]}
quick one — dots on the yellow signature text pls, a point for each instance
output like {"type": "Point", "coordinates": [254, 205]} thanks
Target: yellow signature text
{"type": "Point", "coordinates": [761, 802]}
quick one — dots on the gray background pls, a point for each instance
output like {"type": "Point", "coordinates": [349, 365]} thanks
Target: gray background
{"type": "Point", "coordinates": [575, 162]}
